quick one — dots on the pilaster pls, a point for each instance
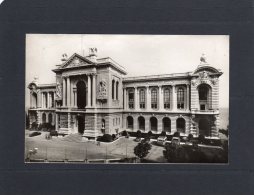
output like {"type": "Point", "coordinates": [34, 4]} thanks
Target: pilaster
{"type": "Point", "coordinates": [88, 91]}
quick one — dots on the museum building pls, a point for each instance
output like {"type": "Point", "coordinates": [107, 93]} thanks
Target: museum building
{"type": "Point", "coordinates": [92, 96]}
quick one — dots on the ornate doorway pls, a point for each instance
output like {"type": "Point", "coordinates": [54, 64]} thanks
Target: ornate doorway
{"type": "Point", "coordinates": [81, 95]}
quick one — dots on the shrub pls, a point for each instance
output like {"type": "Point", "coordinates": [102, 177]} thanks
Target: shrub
{"type": "Point", "coordinates": [142, 149]}
{"type": "Point", "coordinates": [201, 139]}
{"type": "Point", "coordinates": [176, 134]}
{"type": "Point", "coordinates": [174, 153]}
{"type": "Point", "coordinates": [113, 136]}
{"type": "Point", "coordinates": [139, 134]}
{"type": "Point", "coordinates": [106, 138]}
{"type": "Point", "coordinates": [34, 126]}
{"type": "Point", "coordinates": [150, 133]}
{"type": "Point", "coordinates": [124, 133]}
{"type": "Point", "coordinates": [190, 137]}
{"type": "Point", "coordinates": [163, 133]}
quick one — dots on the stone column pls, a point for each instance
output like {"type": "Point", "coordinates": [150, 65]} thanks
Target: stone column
{"type": "Point", "coordinates": [72, 95]}
{"type": "Point", "coordinates": [188, 97]}
{"type": "Point", "coordinates": [75, 98]}
{"type": "Point", "coordinates": [64, 92]}
{"type": "Point", "coordinates": [94, 90]}
{"type": "Point", "coordinates": [148, 98]}
{"type": "Point", "coordinates": [88, 91]}
{"type": "Point", "coordinates": [49, 100]}
{"type": "Point", "coordinates": [56, 122]}
{"type": "Point", "coordinates": [161, 107]}
{"type": "Point", "coordinates": [174, 95]}
{"type": "Point", "coordinates": [68, 92]}
{"type": "Point", "coordinates": [42, 99]}
{"type": "Point", "coordinates": [125, 98]}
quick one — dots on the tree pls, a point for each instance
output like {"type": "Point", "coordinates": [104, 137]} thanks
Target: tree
{"type": "Point", "coordinates": [174, 153]}
{"type": "Point", "coordinates": [176, 134]}
{"type": "Point", "coordinates": [139, 134]}
{"type": "Point", "coordinates": [190, 137]}
{"type": "Point", "coordinates": [142, 149]}
{"type": "Point", "coordinates": [201, 138]}
{"type": "Point", "coordinates": [163, 133]}
{"type": "Point", "coordinates": [150, 133]}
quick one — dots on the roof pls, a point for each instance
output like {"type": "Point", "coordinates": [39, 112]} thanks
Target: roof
{"type": "Point", "coordinates": [86, 62]}
{"type": "Point", "coordinates": [158, 77]}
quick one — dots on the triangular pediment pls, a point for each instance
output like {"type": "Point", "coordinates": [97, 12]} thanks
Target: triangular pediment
{"type": "Point", "coordinates": [75, 61]}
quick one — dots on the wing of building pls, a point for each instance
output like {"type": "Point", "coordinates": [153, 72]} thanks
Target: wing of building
{"type": "Point", "coordinates": [92, 97]}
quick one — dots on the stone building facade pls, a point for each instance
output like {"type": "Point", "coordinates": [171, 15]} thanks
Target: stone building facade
{"type": "Point", "coordinates": [92, 96]}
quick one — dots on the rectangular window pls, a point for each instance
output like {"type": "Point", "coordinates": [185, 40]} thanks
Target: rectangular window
{"type": "Point", "coordinates": [142, 98]}
{"type": "Point", "coordinates": [131, 100]}
{"type": "Point", "coordinates": [154, 99]}
{"type": "Point", "coordinates": [166, 98]}
{"type": "Point", "coordinates": [180, 98]}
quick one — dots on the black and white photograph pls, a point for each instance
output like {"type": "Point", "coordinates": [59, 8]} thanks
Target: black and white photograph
{"type": "Point", "coordinates": [112, 98]}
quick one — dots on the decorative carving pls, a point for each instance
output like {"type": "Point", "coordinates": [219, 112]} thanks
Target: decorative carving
{"type": "Point", "coordinates": [58, 90]}
{"type": "Point", "coordinates": [203, 75]}
{"type": "Point", "coordinates": [75, 62]}
{"type": "Point", "coordinates": [214, 81]}
{"type": "Point", "coordinates": [102, 90]}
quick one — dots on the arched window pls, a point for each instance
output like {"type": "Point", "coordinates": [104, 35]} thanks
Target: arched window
{"type": "Point", "coordinates": [131, 99]}
{"type": "Point", "coordinates": [129, 122]}
{"type": "Point", "coordinates": [180, 125]}
{"type": "Point", "coordinates": [204, 92]}
{"type": "Point", "coordinates": [81, 95]}
{"type": "Point", "coordinates": [154, 98]}
{"type": "Point", "coordinates": [180, 98]}
{"type": "Point", "coordinates": [166, 124]}
{"type": "Point", "coordinates": [117, 89]}
{"type": "Point", "coordinates": [103, 125]}
{"type": "Point", "coordinates": [142, 98]}
{"type": "Point", "coordinates": [113, 89]}
{"type": "Point", "coordinates": [153, 124]}
{"type": "Point", "coordinates": [141, 123]}
{"type": "Point", "coordinates": [34, 100]}
{"type": "Point", "coordinates": [166, 98]}
{"type": "Point", "coordinates": [43, 118]}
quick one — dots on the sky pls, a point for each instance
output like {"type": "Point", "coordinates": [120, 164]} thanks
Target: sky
{"type": "Point", "coordinates": [140, 54]}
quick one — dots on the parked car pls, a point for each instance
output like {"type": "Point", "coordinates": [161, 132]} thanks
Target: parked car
{"type": "Point", "coordinates": [34, 134]}
{"type": "Point", "coordinates": [161, 140]}
{"type": "Point", "coordinates": [175, 141]}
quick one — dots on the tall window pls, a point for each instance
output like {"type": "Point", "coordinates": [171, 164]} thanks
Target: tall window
{"type": "Point", "coordinates": [154, 98]}
{"type": "Point", "coordinates": [129, 122]}
{"type": "Point", "coordinates": [113, 89]}
{"type": "Point", "coordinates": [166, 98]}
{"type": "Point", "coordinates": [131, 99]}
{"type": "Point", "coordinates": [180, 98]}
{"type": "Point", "coordinates": [142, 98]}
{"type": "Point", "coordinates": [117, 84]}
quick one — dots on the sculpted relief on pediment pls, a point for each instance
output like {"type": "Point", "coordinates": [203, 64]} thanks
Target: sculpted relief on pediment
{"type": "Point", "coordinates": [75, 62]}
{"type": "Point", "coordinates": [205, 78]}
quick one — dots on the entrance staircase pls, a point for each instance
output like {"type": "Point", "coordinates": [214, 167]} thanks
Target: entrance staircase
{"type": "Point", "coordinates": [76, 137]}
